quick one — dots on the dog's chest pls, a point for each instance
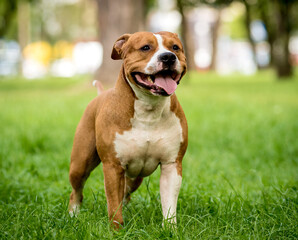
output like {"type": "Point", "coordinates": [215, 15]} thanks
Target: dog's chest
{"type": "Point", "coordinates": [154, 138]}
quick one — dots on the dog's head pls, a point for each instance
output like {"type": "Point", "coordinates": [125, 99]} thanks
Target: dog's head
{"type": "Point", "coordinates": [154, 63]}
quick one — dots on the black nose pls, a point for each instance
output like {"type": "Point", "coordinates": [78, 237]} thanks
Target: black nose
{"type": "Point", "coordinates": [167, 58]}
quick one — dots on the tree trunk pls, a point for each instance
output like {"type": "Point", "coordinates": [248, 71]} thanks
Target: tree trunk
{"type": "Point", "coordinates": [215, 33]}
{"type": "Point", "coordinates": [187, 37]}
{"type": "Point", "coordinates": [116, 18]}
{"type": "Point", "coordinates": [281, 44]}
{"type": "Point", "coordinates": [23, 17]}
{"type": "Point", "coordinates": [247, 25]}
{"type": "Point", "coordinates": [10, 8]}
{"type": "Point", "coordinates": [265, 10]}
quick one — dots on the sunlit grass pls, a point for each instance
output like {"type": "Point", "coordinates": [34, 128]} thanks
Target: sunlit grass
{"type": "Point", "coordinates": [239, 177]}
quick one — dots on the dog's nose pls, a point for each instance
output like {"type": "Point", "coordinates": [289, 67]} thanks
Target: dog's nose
{"type": "Point", "coordinates": [167, 58]}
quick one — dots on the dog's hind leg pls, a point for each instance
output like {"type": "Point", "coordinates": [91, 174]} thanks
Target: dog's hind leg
{"type": "Point", "coordinates": [84, 159]}
{"type": "Point", "coordinates": [78, 175]}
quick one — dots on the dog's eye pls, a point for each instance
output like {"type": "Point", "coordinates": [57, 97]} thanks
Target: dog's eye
{"type": "Point", "coordinates": [145, 48]}
{"type": "Point", "coordinates": [175, 47]}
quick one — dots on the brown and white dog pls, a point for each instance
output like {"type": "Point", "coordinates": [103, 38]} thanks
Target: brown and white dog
{"type": "Point", "coordinates": [136, 126]}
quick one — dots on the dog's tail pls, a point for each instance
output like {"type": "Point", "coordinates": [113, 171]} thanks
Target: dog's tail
{"type": "Point", "coordinates": [99, 86]}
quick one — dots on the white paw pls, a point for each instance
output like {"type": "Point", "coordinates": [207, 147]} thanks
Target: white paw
{"type": "Point", "coordinates": [74, 210]}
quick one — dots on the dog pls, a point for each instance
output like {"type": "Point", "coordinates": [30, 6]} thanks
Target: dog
{"type": "Point", "coordinates": [135, 126]}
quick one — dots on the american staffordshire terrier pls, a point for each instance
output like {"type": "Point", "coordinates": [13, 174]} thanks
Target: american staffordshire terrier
{"type": "Point", "coordinates": [136, 126]}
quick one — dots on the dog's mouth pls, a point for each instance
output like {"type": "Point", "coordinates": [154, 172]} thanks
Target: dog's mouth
{"type": "Point", "coordinates": [162, 83]}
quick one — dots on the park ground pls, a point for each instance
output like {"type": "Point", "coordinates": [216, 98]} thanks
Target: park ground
{"type": "Point", "coordinates": [239, 173]}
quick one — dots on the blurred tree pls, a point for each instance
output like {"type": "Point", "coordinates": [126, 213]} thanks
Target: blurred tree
{"type": "Point", "coordinates": [248, 19]}
{"type": "Point", "coordinates": [236, 28]}
{"type": "Point", "coordinates": [280, 19]}
{"type": "Point", "coordinates": [7, 13]}
{"type": "Point", "coordinates": [219, 5]}
{"type": "Point", "coordinates": [187, 34]}
{"type": "Point", "coordinates": [15, 14]}
{"type": "Point", "coordinates": [116, 18]}
{"type": "Point", "coordinates": [64, 19]}
{"type": "Point", "coordinates": [8, 10]}
{"type": "Point", "coordinates": [282, 11]}
{"type": "Point", "coordinates": [23, 17]}
{"type": "Point", "coordinates": [265, 12]}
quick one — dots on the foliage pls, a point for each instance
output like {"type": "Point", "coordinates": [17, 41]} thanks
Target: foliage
{"type": "Point", "coordinates": [50, 20]}
{"type": "Point", "coordinates": [7, 14]}
{"type": "Point", "coordinates": [240, 171]}
{"type": "Point", "coordinates": [212, 3]}
{"type": "Point", "coordinates": [7, 11]}
{"type": "Point", "coordinates": [237, 28]}
{"type": "Point", "coordinates": [217, 3]}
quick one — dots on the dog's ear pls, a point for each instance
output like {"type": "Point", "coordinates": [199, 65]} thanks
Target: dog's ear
{"type": "Point", "coordinates": [118, 46]}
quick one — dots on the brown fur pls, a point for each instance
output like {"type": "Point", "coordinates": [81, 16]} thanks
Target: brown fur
{"type": "Point", "coordinates": [108, 114]}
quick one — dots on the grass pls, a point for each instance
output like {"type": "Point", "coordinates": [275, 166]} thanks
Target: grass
{"type": "Point", "coordinates": [239, 176]}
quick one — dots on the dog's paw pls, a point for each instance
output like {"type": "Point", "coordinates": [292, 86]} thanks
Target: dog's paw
{"type": "Point", "coordinates": [74, 210]}
{"type": "Point", "coordinates": [169, 224]}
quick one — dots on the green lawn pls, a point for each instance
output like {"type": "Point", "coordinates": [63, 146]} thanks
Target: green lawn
{"type": "Point", "coordinates": [239, 177]}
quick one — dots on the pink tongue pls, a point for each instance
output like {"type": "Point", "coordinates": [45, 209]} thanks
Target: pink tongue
{"type": "Point", "coordinates": [167, 83]}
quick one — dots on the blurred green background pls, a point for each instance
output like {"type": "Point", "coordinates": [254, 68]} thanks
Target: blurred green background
{"type": "Point", "coordinates": [73, 37]}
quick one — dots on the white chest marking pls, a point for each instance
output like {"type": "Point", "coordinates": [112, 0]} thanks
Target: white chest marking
{"type": "Point", "coordinates": [154, 138]}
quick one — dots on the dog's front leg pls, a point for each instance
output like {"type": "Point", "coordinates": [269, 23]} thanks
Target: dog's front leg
{"type": "Point", "coordinates": [170, 182]}
{"type": "Point", "coordinates": [114, 187]}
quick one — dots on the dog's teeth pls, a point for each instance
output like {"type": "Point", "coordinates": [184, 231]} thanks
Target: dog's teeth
{"type": "Point", "coordinates": [149, 79]}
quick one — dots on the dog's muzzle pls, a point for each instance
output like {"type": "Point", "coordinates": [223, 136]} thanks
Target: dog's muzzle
{"type": "Point", "coordinates": [162, 83]}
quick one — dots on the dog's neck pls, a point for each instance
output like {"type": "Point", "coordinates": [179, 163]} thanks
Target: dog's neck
{"type": "Point", "coordinates": [122, 85]}
{"type": "Point", "coordinates": [147, 107]}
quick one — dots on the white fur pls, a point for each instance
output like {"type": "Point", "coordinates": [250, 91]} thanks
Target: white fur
{"type": "Point", "coordinates": [170, 183]}
{"type": "Point", "coordinates": [94, 83]}
{"type": "Point", "coordinates": [155, 136]}
{"type": "Point", "coordinates": [74, 211]}
{"type": "Point", "coordinates": [153, 65]}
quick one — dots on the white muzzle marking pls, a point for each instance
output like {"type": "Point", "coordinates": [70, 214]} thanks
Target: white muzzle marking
{"type": "Point", "coordinates": [154, 65]}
